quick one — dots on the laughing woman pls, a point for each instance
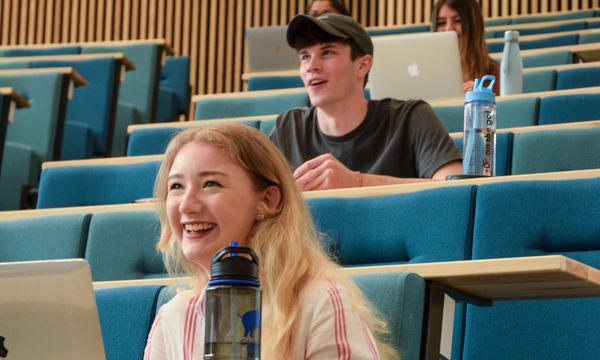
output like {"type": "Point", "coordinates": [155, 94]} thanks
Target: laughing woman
{"type": "Point", "coordinates": [230, 183]}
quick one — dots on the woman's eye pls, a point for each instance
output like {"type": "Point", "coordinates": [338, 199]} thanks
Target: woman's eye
{"type": "Point", "coordinates": [175, 186]}
{"type": "Point", "coordinates": [211, 183]}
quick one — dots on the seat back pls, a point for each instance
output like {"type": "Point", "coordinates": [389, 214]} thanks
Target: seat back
{"type": "Point", "coordinates": [400, 298]}
{"type": "Point", "coordinates": [238, 106]}
{"type": "Point", "coordinates": [139, 87]}
{"type": "Point", "coordinates": [96, 184]}
{"type": "Point", "coordinates": [126, 315]}
{"type": "Point", "coordinates": [399, 30]}
{"type": "Point", "coordinates": [175, 76]}
{"type": "Point", "coordinates": [504, 150]}
{"type": "Point", "coordinates": [121, 245]}
{"type": "Point", "coordinates": [33, 51]}
{"type": "Point", "coordinates": [556, 150]}
{"type": "Point", "coordinates": [274, 82]}
{"type": "Point", "coordinates": [569, 108]}
{"type": "Point", "coordinates": [527, 218]}
{"type": "Point", "coordinates": [562, 57]}
{"type": "Point", "coordinates": [44, 237]}
{"type": "Point", "coordinates": [541, 80]}
{"type": "Point", "coordinates": [422, 226]}
{"type": "Point", "coordinates": [578, 78]}
{"type": "Point", "coordinates": [91, 105]}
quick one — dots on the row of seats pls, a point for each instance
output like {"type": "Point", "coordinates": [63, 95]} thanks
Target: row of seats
{"type": "Point", "coordinates": [126, 313]}
{"type": "Point", "coordinates": [551, 41]}
{"type": "Point", "coordinates": [461, 222]}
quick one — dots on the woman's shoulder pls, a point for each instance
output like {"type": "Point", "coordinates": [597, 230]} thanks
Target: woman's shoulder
{"type": "Point", "coordinates": [176, 308]}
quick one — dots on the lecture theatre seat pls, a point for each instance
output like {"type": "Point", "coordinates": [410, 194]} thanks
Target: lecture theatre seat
{"type": "Point", "coordinates": [126, 315]}
{"type": "Point", "coordinates": [559, 40]}
{"type": "Point", "coordinates": [569, 108]}
{"type": "Point", "coordinates": [556, 150]}
{"type": "Point", "coordinates": [44, 237]}
{"type": "Point", "coordinates": [578, 78]}
{"type": "Point", "coordinates": [174, 89]}
{"type": "Point", "coordinates": [504, 152]}
{"type": "Point", "coordinates": [121, 245]}
{"type": "Point", "coordinates": [528, 218]}
{"type": "Point", "coordinates": [82, 185]}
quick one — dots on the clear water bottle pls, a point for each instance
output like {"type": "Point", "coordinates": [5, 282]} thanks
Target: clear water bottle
{"type": "Point", "coordinates": [233, 306]}
{"type": "Point", "coordinates": [511, 66]}
{"type": "Point", "coordinates": [479, 136]}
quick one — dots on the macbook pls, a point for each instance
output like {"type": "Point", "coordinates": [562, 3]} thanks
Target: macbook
{"type": "Point", "coordinates": [268, 49]}
{"type": "Point", "coordinates": [48, 311]}
{"type": "Point", "coordinates": [416, 66]}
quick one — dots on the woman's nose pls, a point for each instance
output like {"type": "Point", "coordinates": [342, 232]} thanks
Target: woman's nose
{"type": "Point", "coordinates": [190, 203]}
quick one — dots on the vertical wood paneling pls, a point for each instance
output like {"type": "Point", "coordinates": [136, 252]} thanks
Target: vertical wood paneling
{"type": "Point", "coordinates": [211, 32]}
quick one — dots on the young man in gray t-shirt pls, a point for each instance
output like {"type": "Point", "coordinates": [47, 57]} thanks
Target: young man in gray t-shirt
{"type": "Point", "coordinates": [345, 140]}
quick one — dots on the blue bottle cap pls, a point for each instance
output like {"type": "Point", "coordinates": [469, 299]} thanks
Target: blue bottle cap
{"type": "Point", "coordinates": [481, 93]}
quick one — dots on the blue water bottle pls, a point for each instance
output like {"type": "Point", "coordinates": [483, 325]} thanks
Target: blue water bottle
{"type": "Point", "coordinates": [511, 65]}
{"type": "Point", "coordinates": [233, 306]}
{"type": "Point", "coordinates": [479, 136]}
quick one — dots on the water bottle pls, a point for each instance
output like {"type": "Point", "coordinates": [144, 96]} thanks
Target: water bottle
{"type": "Point", "coordinates": [233, 305]}
{"type": "Point", "coordinates": [511, 66]}
{"type": "Point", "coordinates": [479, 136]}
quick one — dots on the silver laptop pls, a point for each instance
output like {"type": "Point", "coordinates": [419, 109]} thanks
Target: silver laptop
{"type": "Point", "coordinates": [48, 311]}
{"type": "Point", "coordinates": [416, 66]}
{"type": "Point", "coordinates": [268, 49]}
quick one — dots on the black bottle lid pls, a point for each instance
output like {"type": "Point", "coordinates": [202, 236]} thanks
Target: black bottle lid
{"type": "Point", "coordinates": [228, 266]}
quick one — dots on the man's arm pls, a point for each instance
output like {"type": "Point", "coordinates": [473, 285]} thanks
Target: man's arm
{"type": "Point", "coordinates": [326, 172]}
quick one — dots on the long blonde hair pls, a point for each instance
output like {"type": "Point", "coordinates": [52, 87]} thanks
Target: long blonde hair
{"type": "Point", "coordinates": [473, 47]}
{"type": "Point", "coordinates": [286, 242]}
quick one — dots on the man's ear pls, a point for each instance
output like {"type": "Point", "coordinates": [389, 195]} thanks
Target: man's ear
{"type": "Point", "coordinates": [364, 65]}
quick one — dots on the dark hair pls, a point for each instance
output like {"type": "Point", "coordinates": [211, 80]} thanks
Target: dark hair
{"type": "Point", "coordinates": [473, 47]}
{"type": "Point", "coordinates": [338, 5]}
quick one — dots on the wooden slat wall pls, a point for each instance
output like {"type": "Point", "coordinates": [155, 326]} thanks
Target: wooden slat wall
{"type": "Point", "coordinates": [211, 32]}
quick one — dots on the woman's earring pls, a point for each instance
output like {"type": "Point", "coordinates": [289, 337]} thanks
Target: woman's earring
{"type": "Point", "coordinates": [259, 215]}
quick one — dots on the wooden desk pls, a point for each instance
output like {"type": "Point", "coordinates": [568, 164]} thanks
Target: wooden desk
{"type": "Point", "coordinates": [10, 100]}
{"type": "Point", "coordinates": [484, 281]}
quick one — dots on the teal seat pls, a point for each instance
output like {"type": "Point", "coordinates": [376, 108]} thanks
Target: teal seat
{"type": "Point", "coordinates": [239, 106]}
{"type": "Point", "coordinates": [541, 80]}
{"type": "Point", "coordinates": [20, 171]}
{"type": "Point", "coordinates": [44, 237]}
{"type": "Point", "coordinates": [580, 25]}
{"type": "Point", "coordinates": [400, 298]}
{"type": "Point", "coordinates": [569, 108]}
{"type": "Point", "coordinates": [84, 185]}
{"type": "Point", "coordinates": [39, 51]}
{"type": "Point", "coordinates": [174, 89]}
{"type": "Point", "coordinates": [529, 218]}
{"type": "Point", "coordinates": [578, 78]}
{"type": "Point", "coordinates": [589, 38]}
{"type": "Point", "coordinates": [274, 82]}
{"type": "Point", "coordinates": [121, 245]}
{"type": "Point", "coordinates": [399, 30]}
{"type": "Point", "coordinates": [126, 315]}
{"type": "Point", "coordinates": [504, 145]}
{"type": "Point", "coordinates": [556, 150]}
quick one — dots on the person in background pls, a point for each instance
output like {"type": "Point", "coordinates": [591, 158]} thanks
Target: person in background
{"type": "Point", "coordinates": [465, 18]}
{"type": "Point", "coordinates": [344, 140]}
{"type": "Point", "coordinates": [230, 183]}
{"type": "Point", "coordinates": [319, 7]}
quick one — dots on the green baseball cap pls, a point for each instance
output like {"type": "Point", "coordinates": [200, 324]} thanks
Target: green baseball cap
{"type": "Point", "coordinates": [342, 26]}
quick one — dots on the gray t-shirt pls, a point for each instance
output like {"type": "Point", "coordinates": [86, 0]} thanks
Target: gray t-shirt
{"type": "Point", "coordinates": [396, 138]}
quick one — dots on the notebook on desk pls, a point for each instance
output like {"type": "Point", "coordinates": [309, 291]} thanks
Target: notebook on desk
{"type": "Point", "coordinates": [416, 66]}
{"type": "Point", "coordinates": [268, 49]}
{"type": "Point", "coordinates": [48, 311]}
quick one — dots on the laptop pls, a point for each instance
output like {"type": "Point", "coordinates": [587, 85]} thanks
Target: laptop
{"type": "Point", "coordinates": [416, 66]}
{"type": "Point", "coordinates": [268, 49]}
{"type": "Point", "coordinates": [48, 311]}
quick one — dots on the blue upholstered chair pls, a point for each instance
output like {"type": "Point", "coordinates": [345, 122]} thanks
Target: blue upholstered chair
{"type": "Point", "coordinates": [250, 104]}
{"type": "Point", "coordinates": [126, 315]}
{"type": "Point", "coordinates": [90, 111]}
{"type": "Point", "coordinates": [174, 89]}
{"type": "Point", "coordinates": [422, 226]}
{"type": "Point", "coordinates": [561, 40]}
{"type": "Point", "coordinates": [541, 80]}
{"type": "Point", "coordinates": [528, 218]}
{"type": "Point", "coordinates": [556, 150]}
{"type": "Point", "coordinates": [569, 108]}
{"type": "Point", "coordinates": [121, 245]}
{"type": "Point", "coordinates": [96, 184]}
{"type": "Point", "coordinates": [44, 237]}
{"type": "Point", "coordinates": [578, 78]}
{"type": "Point", "coordinates": [561, 57]}
{"type": "Point", "coordinates": [590, 38]}
{"type": "Point", "coordinates": [274, 82]}
{"type": "Point", "coordinates": [579, 25]}
{"type": "Point", "coordinates": [399, 30]}
{"type": "Point", "coordinates": [400, 298]}
{"type": "Point", "coordinates": [153, 141]}
{"type": "Point", "coordinates": [38, 51]}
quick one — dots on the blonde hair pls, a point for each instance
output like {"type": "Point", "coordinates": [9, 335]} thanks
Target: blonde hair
{"type": "Point", "coordinates": [286, 242]}
{"type": "Point", "coordinates": [473, 47]}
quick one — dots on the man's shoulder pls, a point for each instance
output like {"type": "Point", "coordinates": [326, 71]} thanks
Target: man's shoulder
{"type": "Point", "coordinates": [294, 114]}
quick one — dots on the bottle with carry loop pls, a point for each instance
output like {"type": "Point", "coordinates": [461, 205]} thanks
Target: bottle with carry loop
{"type": "Point", "coordinates": [233, 306]}
{"type": "Point", "coordinates": [479, 136]}
{"type": "Point", "coordinates": [511, 65]}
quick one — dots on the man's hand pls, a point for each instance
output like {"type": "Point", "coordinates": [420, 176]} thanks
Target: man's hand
{"type": "Point", "coordinates": [468, 85]}
{"type": "Point", "coordinates": [325, 172]}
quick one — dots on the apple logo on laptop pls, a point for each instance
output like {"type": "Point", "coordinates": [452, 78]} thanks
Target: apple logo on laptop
{"type": "Point", "coordinates": [3, 350]}
{"type": "Point", "coordinates": [413, 69]}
